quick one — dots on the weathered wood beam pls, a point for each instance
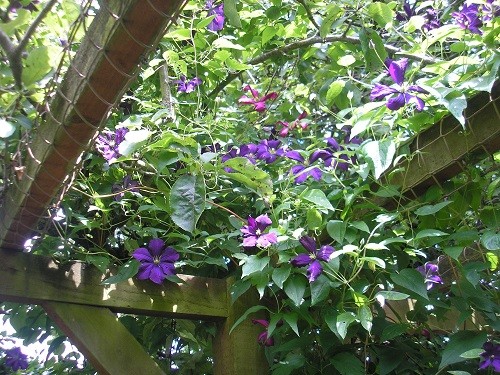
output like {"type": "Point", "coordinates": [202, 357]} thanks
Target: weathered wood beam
{"type": "Point", "coordinates": [239, 352]}
{"type": "Point", "coordinates": [102, 339]}
{"type": "Point", "coordinates": [439, 152]}
{"type": "Point", "coordinates": [122, 33]}
{"type": "Point", "coordinates": [34, 279]}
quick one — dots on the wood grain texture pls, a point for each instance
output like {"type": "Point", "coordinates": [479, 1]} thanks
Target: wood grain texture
{"type": "Point", "coordinates": [34, 279]}
{"type": "Point", "coordinates": [104, 341]}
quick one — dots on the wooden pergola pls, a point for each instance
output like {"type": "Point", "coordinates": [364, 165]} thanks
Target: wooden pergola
{"type": "Point", "coordinates": [123, 32]}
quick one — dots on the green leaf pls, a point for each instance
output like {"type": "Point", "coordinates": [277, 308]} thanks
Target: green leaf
{"type": "Point", "coordinates": [317, 197]}
{"type": "Point", "coordinates": [101, 262]}
{"type": "Point", "coordinates": [365, 317]}
{"type": "Point", "coordinates": [332, 11]}
{"type": "Point", "coordinates": [291, 318]}
{"type": "Point", "coordinates": [412, 280]}
{"type": "Point", "coordinates": [238, 289]}
{"type": "Point", "coordinates": [360, 225]}
{"type": "Point", "coordinates": [254, 264]}
{"type": "Point", "coordinates": [458, 372]}
{"type": "Point", "coordinates": [242, 318]}
{"type": "Point", "coordinates": [460, 343]}
{"type": "Point", "coordinates": [491, 240]}
{"type": "Point", "coordinates": [36, 66]}
{"type": "Point", "coordinates": [343, 322]}
{"type": "Point", "coordinates": [320, 289]}
{"type": "Point", "coordinates": [425, 233]}
{"type": "Point", "coordinates": [125, 272]}
{"type": "Point", "coordinates": [380, 153]}
{"type": "Point", "coordinates": [313, 218]}
{"type": "Point", "coordinates": [249, 175]}
{"type": "Point", "coordinates": [393, 296]}
{"type": "Point", "coordinates": [179, 34]}
{"type": "Point", "coordinates": [231, 13]}
{"type": "Point", "coordinates": [381, 14]}
{"type": "Point", "coordinates": [347, 364]}
{"type": "Point", "coordinates": [473, 353]}
{"type": "Point", "coordinates": [268, 33]}
{"type": "Point", "coordinates": [334, 90]}
{"type": "Point", "coordinates": [393, 330]}
{"type": "Point", "coordinates": [226, 43]}
{"type": "Point", "coordinates": [281, 274]}
{"type": "Point", "coordinates": [295, 288]}
{"type": "Point", "coordinates": [133, 141]}
{"type": "Point", "coordinates": [431, 209]}
{"type": "Point", "coordinates": [6, 128]}
{"type": "Point", "coordinates": [336, 229]}
{"type": "Point", "coordinates": [345, 60]}
{"type": "Point", "coordinates": [187, 201]}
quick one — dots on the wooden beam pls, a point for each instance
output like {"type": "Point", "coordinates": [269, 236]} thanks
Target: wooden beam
{"type": "Point", "coordinates": [102, 339]}
{"type": "Point", "coordinates": [34, 279]}
{"type": "Point", "coordinates": [238, 352]}
{"type": "Point", "coordinates": [439, 151]}
{"type": "Point", "coordinates": [121, 35]}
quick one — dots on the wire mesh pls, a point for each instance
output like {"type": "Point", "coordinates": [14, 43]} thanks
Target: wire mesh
{"type": "Point", "coordinates": [87, 85]}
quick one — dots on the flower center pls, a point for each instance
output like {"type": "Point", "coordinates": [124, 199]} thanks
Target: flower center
{"type": "Point", "coordinates": [258, 232]}
{"type": "Point", "coordinates": [156, 260]}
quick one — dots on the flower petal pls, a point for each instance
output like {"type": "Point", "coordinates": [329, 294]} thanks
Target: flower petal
{"type": "Point", "coordinates": [170, 255]}
{"type": "Point", "coordinates": [142, 255]}
{"type": "Point", "coordinates": [301, 260]}
{"type": "Point", "coordinates": [156, 246]}
{"type": "Point", "coordinates": [397, 70]}
{"type": "Point", "coordinates": [267, 239]}
{"type": "Point", "coordinates": [145, 271]}
{"type": "Point", "coordinates": [314, 270]}
{"type": "Point", "coordinates": [168, 269]}
{"type": "Point", "coordinates": [396, 103]}
{"type": "Point", "coordinates": [157, 276]}
{"type": "Point", "coordinates": [325, 253]}
{"type": "Point", "coordinates": [262, 322]}
{"type": "Point", "coordinates": [263, 222]}
{"type": "Point", "coordinates": [381, 91]}
{"type": "Point", "coordinates": [294, 155]}
{"type": "Point", "coordinates": [309, 244]}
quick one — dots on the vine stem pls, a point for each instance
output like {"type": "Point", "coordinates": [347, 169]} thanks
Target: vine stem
{"type": "Point", "coordinates": [226, 209]}
{"type": "Point", "coordinates": [306, 43]}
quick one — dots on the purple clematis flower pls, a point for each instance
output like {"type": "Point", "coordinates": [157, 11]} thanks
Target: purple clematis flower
{"type": "Point", "coordinates": [302, 173]}
{"type": "Point", "coordinates": [263, 338]}
{"type": "Point", "coordinates": [287, 126]}
{"type": "Point", "coordinates": [253, 232]}
{"type": "Point", "coordinates": [259, 104]}
{"type": "Point", "coordinates": [397, 70]}
{"type": "Point", "coordinates": [107, 143]}
{"type": "Point", "coordinates": [16, 359]}
{"type": "Point", "coordinates": [431, 273]}
{"type": "Point", "coordinates": [187, 86]}
{"type": "Point", "coordinates": [269, 150]}
{"type": "Point", "coordinates": [490, 10]}
{"type": "Point", "coordinates": [491, 356]}
{"type": "Point", "coordinates": [218, 22]}
{"type": "Point", "coordinates": [157, 261]}
{"type": "Point", "coordinates": [429, 14]}
{"type": "Point", "coordinates": [312, 260]}
{"type": "Point", "coordinates": [127, 185]}
{"type": "Point", "coordinates": [468, 18]}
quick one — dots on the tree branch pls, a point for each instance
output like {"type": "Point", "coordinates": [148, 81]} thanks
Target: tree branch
{"type": "Point", "coordinates": [309, 42]}
{"type": "Point", "coordinates": [14, 52]}
{"type": "Point", "coordinates": [309, 13]}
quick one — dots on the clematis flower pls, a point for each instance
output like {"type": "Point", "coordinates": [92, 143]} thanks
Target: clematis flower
{"type": "Point", "coordinates": [269, 150]}
{"type": "Point", "coordinates": [263, 338]}
{"type": "Point", "coordinates": [107, 143]}
{"type": "Point", "coordinates": [431, 274]}
{"type": "Point", "coordinates": [218, 22]}
{"type": "Point", "coordinates": [253, 232]}
{"type": "Point", "coordinates": [259, 104]}
{"type": "Point", "coordinates": [157, 261]}
{"type": "Point", "coordinates": [312, 259]}
{"type": "Point", "coordinates": [490, 10]}
{"type": "Point", "coordinates": [16, 359]}
{"type": "Point", "coordinates": [287, 126]}
{"type": "Point", "coordinates": [127, 185]}
{"type": "Point", "coordinates": [397, 70]}
{"type": "Point", "coordinates": [468, 18]}
{"type": "Point", "coordinates": [490, 356]}
{"type": "Point", "coordinates": [303, 172]}
{"type": "Point", "coordinates": [429, 14]}
{"type": "Point", "coordinates": [187, 86]}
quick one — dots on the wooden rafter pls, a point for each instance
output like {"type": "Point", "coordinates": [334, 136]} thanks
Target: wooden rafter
{"type": "Point", "coordinates": [109, 56]}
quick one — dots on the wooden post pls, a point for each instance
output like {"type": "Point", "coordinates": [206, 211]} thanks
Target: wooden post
{"type": "Point", "coordinates": [239, 353]}
{"type": "Point", "coordinates": [104, 341]}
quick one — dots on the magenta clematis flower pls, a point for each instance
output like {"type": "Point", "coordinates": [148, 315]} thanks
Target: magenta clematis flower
{"type": "Point", "coordinates": [16, 359]}
{"type": "Point", "coordinates": [312, 260]}
{"type": "Point", "coordinates": [218, 10]}
{"type": "Point", "coordinates": [107, 143]}
{"type": "Point", "coordinates": [263, 338]}
{"type": "Point", "coordinates": [253, 232]}
{"type": "Point", "coordinates": [259, 104]}
{"type": "Point", "coordinates": [468, 18]}
{"type": "Point", "coordinates": [490, 356]}
{"type": "Point", "coordinates": [187, 86]}
{"type": "Point", "coordinates": [397, 70]}
{"type": "Point", "coordinates": [287, 126]}
{"type": "Point", "coordinates": [431, 273]}
{"type": "Point", "coordinates": [157, 261]}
